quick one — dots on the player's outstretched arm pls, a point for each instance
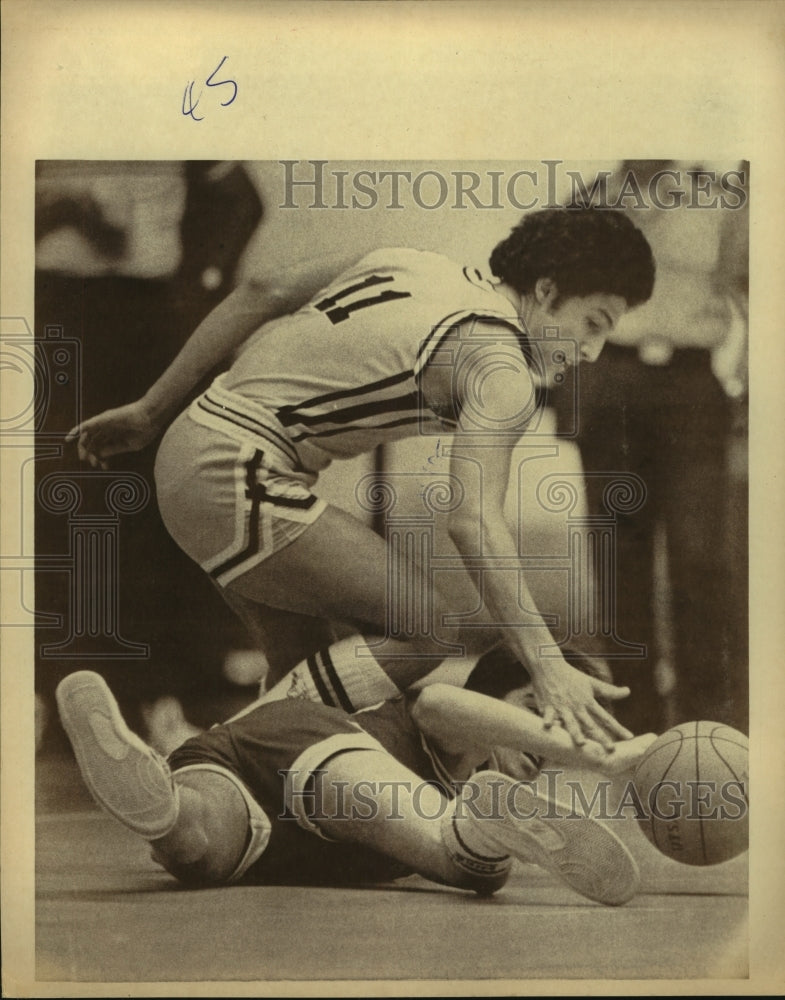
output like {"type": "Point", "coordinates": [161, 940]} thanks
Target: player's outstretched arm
{"type": "Point", "coordinates": [478, 525]}
{"type": "Point", "coordinates": [251, 305]}
{"type": "Point", "coordinates": [461, 721]}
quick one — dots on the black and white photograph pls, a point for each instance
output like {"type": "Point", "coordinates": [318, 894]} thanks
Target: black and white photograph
{"type": "Point", "coordinates": [381, 568]}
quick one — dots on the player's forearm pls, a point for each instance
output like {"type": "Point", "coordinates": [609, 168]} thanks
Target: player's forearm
{"type": "Point", "coordinates": [506, 593]}
{"type": "Point", "coordinates": [460, 720]}
{"type": "Point", "coordinates": [214, 340]}
{"type": "Point", "coordinates": [463, 722]}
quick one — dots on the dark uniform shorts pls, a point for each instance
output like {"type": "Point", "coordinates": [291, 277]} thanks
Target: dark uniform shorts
{"type": "Point", "coordinates": [271, 754]}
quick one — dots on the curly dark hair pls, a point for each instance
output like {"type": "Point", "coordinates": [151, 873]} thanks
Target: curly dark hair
{"type": "Point", "coordinates": [583, 250]}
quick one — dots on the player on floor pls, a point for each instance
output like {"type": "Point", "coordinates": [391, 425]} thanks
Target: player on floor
{"type": "Point", "coordinates": [399, 344]}
{"type": "Point", "coordinates": [306, 794]}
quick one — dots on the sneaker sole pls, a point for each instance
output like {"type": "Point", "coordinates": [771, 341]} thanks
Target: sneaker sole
{"type": "Point", "coordinates": [125, 776]}
{"type": "Point", "coordinates": [583, 852]}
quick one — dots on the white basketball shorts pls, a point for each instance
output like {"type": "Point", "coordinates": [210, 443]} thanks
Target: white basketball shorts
{"type": "Point", "coordinates": [231, 490]}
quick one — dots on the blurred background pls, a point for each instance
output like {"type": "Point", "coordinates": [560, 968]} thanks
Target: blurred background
{"type": "Point", "coordinates": [131, 256]}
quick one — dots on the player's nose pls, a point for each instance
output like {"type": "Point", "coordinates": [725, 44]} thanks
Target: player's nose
{"type": "Point", "coordinates": [591, 350]}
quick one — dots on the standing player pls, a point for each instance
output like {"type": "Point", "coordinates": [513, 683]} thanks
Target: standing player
{"type": "Point", "coordinates": [401, 343]}
{"type": "Point", "coordinates": [306, 794]}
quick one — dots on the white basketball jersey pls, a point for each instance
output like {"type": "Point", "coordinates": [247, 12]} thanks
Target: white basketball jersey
{"type": "Point", "coordinates": [341, 374]}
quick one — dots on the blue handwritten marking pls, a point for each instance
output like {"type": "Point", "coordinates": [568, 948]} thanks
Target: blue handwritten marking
{"type": "Point", "coordinates": [189, 94]}
{"type": "Point", "coordinates": [189, 105]}
{"type": "Point", "coordinates": [222, 83]}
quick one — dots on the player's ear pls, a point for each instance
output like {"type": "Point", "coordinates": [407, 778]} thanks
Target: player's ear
{"type": "Point", "coordinates": [546, 292]}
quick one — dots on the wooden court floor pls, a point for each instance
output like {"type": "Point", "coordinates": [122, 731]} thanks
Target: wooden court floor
{"type": "Point", "coordinates": [106, 913]}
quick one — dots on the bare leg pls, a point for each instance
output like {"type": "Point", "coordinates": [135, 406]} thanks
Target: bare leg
{"type": "Point", "coordinates": [468, 842]}
{"type": "Point", "coordinates": [405, 821]}
{"type": "Point", "coordinates": [340, 570]}
{"type": "Point", "coordinates": [284, 637]}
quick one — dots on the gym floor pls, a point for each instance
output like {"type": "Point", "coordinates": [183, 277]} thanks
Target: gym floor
{"type": "Point", "coordinates": [106, 913]}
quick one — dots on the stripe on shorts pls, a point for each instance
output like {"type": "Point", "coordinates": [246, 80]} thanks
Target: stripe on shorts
{"type": "Point", "coordinates": [254, 532]}
{"type": "Point", "coordinates": [258, 494]}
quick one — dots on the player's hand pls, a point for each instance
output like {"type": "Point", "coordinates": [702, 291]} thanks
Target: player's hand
{"type": "Point", "coordinates": [625, 756]}
{"type": "Point", "coordinates": [568, 696]}
{"type": "Point", "coordinates": [114, 432]}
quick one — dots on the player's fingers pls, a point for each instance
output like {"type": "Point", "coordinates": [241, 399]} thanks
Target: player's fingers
{"type": "Point", "coordinates": [610, 691]}
{"type": "Point", "coordinates": [88, 452]}
{"type": "Point", "coordinates": [548, 716]}
{"type": "Point", "coordinates": [609, 724]}
{"type": "Point", "coordinates": [96, 458]}
{"type": "Point", "coordinates": [87, 445]}
{"type": "Point", "coordinates": [573, 728]}
{"type": "Point", "coordinates": [82, 430]}
{"type": "Point", "coordinates": [593, 731]}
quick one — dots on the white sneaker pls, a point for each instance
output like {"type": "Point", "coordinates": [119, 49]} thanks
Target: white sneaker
{"type": "Point", "coordinates": [583, 852]}
{"type": "Point", "coordinates": [125, 776]}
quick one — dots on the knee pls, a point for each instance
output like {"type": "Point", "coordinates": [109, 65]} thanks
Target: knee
{"type": "Point", "coordinates": [208, 840]}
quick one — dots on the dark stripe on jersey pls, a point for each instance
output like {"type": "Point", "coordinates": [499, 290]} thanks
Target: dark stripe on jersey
{"type": "Point", "coordinates": [253, 523]}
{"type": "Point", "coordinates": [248, 423]}
{"type": "Point", "coordinates": [540, 392]}
{"type": "Point", "coordinates": [443, 328]}
{"type": "Point", "coordinates": [411, 401]}
{"type": "Point", "coordinates": [526, 348]}
{"type": "Point", "coordinates": [348, 430]}
{"type": "Point", "coordinates": [318, 680]}
{"type": "Point", "coordinates": [330, 397]}
{"type": "Point", "coordinates": [523, 339]}
{"type": "Point", "coordinates": [335, 681]}
{"type": "Point", "coordinates": [458, 318]}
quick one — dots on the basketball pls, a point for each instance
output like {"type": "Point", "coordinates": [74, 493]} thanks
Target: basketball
{"type": "Point", "coordinates": [693, 788]}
